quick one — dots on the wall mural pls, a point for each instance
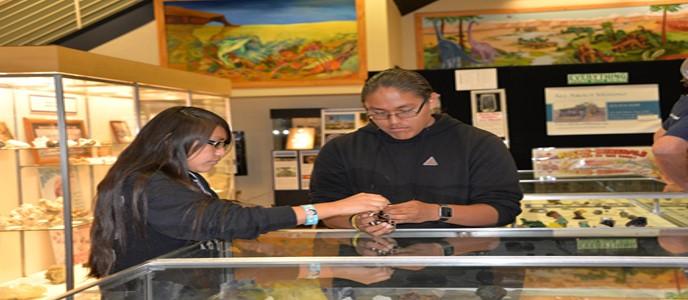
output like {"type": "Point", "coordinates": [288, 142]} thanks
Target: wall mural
{"type": "Point", "coordinates": [450, 40]}
{"type": "Point", "coordinates": [265, 43]}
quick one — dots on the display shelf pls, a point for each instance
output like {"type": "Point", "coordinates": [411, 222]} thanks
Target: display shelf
{"type": "Point", "coordinates": [43, 226]}
{"type": "Point", "coordinates": [39, 283]}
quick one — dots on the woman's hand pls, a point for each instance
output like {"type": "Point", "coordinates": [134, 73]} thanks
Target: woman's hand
{"type": "Point", "coordinates": [361, 202]}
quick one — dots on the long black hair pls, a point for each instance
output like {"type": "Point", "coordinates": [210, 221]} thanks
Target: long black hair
{"type": "Point", "coordinates": [163, 144]}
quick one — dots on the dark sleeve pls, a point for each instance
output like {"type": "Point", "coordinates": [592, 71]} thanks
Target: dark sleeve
{"type": "Point", "coordinates": [172, 208]}
{"type": "Point", "coordinates": [494, 178]}
{"type": "Point", "coordinates": [329, 179]}
{"type": "Point", "coordinates": [678, 128]}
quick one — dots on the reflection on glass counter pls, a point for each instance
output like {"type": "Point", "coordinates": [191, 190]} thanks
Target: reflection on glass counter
{"type": "Point", "coordinates": [418, 264]}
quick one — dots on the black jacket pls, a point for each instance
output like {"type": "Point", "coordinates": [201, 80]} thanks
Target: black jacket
{"type": "Point", "coordinates": [449, 162]}
{"type": "Point", "coordinates": [172, 209]}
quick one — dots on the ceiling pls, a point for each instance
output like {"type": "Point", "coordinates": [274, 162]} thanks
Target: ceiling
{"type": "Point", "coordinates": [408, 6]}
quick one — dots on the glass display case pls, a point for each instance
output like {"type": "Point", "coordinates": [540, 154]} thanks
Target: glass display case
{"type": "Point", "coordinates": [61, 117]}
{"type": "Point", "coordinates": [610, 201]}
{"type": "Point", "coordinates": [638, 263]}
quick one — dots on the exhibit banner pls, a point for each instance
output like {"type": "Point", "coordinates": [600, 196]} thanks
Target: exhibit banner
{"type": "Point", "coordinates": [610, 109]}
{"type": "Point", "coordinates": [600, 161]}
{"type": "Point", "coordinates": [488, 109]}
{"type": "Point", "coordinates": [285, 170]}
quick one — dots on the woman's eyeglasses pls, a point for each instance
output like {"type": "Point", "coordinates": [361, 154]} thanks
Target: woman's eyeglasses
{"type": "Point", "coordinates": [403, 114]}
{"type": "Point", "coordinates": [224, 145]}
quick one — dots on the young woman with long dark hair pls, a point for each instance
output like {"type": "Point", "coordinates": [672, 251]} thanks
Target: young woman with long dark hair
{"type": "Point", "coordinates": [153, 200]}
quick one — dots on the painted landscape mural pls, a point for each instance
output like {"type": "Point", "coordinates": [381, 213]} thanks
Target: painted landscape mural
{"type": "Point", "coordinates": [618, 34]}
{"type": "Point", "coordinates": [265, 41]}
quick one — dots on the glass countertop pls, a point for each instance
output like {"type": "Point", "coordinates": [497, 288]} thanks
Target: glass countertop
{"type": "Point", "coordinates": [489, 263]}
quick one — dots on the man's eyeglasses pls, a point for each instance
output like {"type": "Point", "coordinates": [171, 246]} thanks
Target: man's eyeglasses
{"type": "Point", "coordinates": [402, 114]}
{"type": "Point", "coordinates": [220, 144]}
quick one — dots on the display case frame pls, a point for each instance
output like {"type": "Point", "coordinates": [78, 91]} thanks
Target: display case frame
{"type": "Point", "coordinates": [58, 65]}
{"type": "Point", "coordinates": [314, 267]}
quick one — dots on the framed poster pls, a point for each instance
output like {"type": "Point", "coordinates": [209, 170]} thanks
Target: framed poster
{"type": "Point", "coordinates": [47, 129]}
{"type": "Point", "coordinates": [613, 32]}
{"type": "Point", "coordinates": [339, 121]}
{"type": "Point", "coordinates": [265, 43]}
{"type": "Point", "coordinates": [488, 109]}
{"type": "Point", "coordinates": [121, 132]}
{"type": "Point", "coordinates": [610, 109]}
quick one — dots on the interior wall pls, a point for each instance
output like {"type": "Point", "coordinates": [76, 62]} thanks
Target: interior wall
{"type": "Point", "coordinates": [252, 115]}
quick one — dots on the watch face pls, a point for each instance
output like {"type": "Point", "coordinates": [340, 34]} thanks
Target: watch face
{"type": "Point", "coordinates": [445, 212]}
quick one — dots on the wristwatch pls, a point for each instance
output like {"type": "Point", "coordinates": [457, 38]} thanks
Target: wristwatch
{"type": "Point", "coordinates": [445, 212]}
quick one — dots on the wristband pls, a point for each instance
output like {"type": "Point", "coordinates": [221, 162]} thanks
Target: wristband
{"type": "Point", "coordinates": [353, 220]}
{"type": "Point", "coordinates": [311, 214]}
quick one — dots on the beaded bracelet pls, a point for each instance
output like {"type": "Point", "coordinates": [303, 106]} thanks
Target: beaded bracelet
{"type": "Point", "coordinates": [311, 214]}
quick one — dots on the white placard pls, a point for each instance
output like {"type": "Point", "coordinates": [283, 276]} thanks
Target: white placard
{"type": "Point", "coordinates": [475, 79]}
{"type": "Point", "coordinates": [285, 170]}
{"type": "Point", "coordinates": [49, 103]}
{"type": "Point", "coordinates": [488, 109]}
{"type": "Point", "coordinates": [610, 109]}
{"type": "Point", "coordinates": [306, 162]}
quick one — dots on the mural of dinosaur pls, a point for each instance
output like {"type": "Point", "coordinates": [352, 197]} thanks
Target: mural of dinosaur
{"type": "Point", "coordinates": [451, 54]}
{"type": "Point", "coordinates": [481, 50]}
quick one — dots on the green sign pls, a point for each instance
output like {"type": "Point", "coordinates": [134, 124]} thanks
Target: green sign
{"type": "Point", "coordinates": [598, 244]}
{"type": "Point", "coordinates": [592, 78]}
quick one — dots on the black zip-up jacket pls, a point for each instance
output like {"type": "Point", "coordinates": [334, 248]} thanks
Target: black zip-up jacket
{"type": "Point", "coordinates": [171, 211]}
{"type": "Point", "coordinates": [447, 163]}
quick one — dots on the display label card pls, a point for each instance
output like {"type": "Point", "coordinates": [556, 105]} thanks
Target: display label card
{"type": "Point", "coordinates": [603, 244]}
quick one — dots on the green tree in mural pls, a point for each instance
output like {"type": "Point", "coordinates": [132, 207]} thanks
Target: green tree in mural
{"type": "Point", "coordinates": [461, 20]}
{"type": "Point", "coordinates": [664, 9]}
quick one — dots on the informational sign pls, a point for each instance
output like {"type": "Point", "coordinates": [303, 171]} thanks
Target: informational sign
{"type": "Point", "coordinates": [285, 170]}
{"type": "Point", "coordinates": [597, 78]}
{"type": "Point", "coordinates": [475, 79]}
{"type": "Point", "coordinates": [41, 103]}
{"type": "Point", "coordinates": [306, 162]}
{"type": "Point", "coordinates": [609, 109]}
{"type": "Point", "coordinates": [600, 161]}
{"type": "Point", "coordinates": [488, 108]}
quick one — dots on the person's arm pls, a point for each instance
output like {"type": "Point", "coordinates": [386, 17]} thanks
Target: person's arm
{"type": "Point", "coordinates": [361, 202]}
{"type": "Point", "coordinates": [179, 212]}
{"type": "Point", "coordinates": [671, 156]}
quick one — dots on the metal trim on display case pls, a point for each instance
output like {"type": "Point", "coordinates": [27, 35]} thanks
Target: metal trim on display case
{"type": "Point", "coordinates": [443, 261]}
{"type": "Point", "coordinates": [496, 232]}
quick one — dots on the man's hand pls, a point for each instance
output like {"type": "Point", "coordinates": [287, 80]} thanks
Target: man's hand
{"type": "Point", "coordinates": [366, 222]}
{"type": "Point", "coordinates": [413, 211]}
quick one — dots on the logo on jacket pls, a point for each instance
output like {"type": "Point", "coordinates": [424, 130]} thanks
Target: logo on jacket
{"type": "Point", "coordinates": [431, 162]}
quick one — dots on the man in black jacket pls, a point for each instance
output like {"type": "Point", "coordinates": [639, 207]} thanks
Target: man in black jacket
{"type": "Point", "coordinates": [435, 170]}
